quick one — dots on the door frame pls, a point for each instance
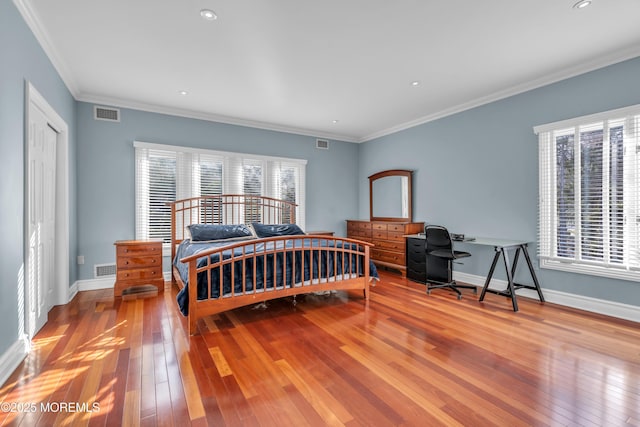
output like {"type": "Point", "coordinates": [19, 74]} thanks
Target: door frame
{"type": "Point", "coordinates": [62, 258]}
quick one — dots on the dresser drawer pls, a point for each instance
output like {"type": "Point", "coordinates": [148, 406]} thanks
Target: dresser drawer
{"type": "Point", "coordinates": [140, 274]}
{"type": "Point", "coordinates": [379, 234]}
{"type": "Point", "coordinates": [388, 256]}
{"type": "Point", "coordinates": [364, 225]}
{"type": "Point", "coordinates": [396, 227]}
{"type": "Point", "coordinates": [359, 235]}
{"type": "Point", "coordinates": [393, 235]}
{"type": "Point", "coordinates": [379, 226]}
{"type": "Point", "coordinates": [389, 244]}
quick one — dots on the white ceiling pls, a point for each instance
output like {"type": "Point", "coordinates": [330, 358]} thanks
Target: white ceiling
{"type": "Point", "coordinates": [298, 65]}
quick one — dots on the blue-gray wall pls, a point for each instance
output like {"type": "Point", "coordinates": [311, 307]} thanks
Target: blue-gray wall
{"type": "Point", "coordinates": [23, 60]}
{"type": "Point", "coordinates": [106, 170]}
{"type": "Point", "coordinates": [476, 172]}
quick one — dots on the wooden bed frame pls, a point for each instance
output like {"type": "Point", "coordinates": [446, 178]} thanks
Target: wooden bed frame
{"type": "Point", "coordinates": [241, 209]}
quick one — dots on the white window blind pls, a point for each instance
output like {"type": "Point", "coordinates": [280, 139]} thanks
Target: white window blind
{"type": "Point", "coordinates": [155, 186]}
{"type": "Point", "coordinates": [589, 185]}
{"type": "Point", "coordinates": [166, 173]}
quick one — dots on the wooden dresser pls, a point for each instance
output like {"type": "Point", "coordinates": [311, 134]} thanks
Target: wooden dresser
{"type": "Point", "coordinates": [388, 238]}
{"type": "Point", "coordinates": [139, 262]}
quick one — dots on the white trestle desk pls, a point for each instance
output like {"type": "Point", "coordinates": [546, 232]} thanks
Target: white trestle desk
{"type": "Point", "coordinates": [502, 247]}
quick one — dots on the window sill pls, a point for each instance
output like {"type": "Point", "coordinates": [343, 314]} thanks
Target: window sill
{"type": "Point", "coordinates": [593, 270]}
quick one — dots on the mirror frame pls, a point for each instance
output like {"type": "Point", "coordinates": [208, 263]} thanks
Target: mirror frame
{"type": "Point", "coordinates": [384, 174]}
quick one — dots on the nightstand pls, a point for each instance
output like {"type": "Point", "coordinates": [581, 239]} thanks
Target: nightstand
{"type": "Point", "coordinates": [139, 262]}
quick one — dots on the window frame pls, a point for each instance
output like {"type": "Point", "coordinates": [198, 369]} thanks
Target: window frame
{"type": "Point", "coordinates": [188, 174]}
{"type": "Point", "coordinates": [629, 268]}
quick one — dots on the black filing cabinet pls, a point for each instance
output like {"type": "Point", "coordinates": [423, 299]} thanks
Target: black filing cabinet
{"type": "Point", "coordinates": [416, 259]}
{"type": "Point", "coordinates": [422, 268]}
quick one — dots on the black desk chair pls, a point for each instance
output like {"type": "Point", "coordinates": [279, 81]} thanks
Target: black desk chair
{"type": "Point", "coordinates": [440, 257]}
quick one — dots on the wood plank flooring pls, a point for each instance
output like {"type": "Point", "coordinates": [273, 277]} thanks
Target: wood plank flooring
{"type": "Point", "coordinates": [403, 358]}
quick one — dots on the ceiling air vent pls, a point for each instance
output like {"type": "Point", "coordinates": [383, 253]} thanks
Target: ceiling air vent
{"type": "Point", "coordinates": [322, 144]}
{"type": "Point", "coordinates": [106, 113]}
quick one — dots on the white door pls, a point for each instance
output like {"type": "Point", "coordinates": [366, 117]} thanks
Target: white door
{"type": "Point", "coordinates": [41, 205]}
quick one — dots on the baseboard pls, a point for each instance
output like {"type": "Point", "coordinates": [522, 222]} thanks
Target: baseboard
{"type": "Point", "coordinates": [73, 291]}
{"type": "Point", "coordinates": [12, 358]}
{"type": "Point", "coordinates": [95, 284]}
{"type": "Point", "coordinates": [594, 305]}
{"type": "Point", "coordinates": [103, 283]}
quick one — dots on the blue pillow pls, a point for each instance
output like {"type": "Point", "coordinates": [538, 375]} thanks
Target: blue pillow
{"type": "Point", "coordinates": [208, 232]}
{"type": "Point", "coordinates": [271, 230]}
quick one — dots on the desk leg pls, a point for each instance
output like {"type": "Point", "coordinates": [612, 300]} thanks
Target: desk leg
{"type": "Point", "coordinates": [507, 268]}
{"type": "Point", "coordinates": [533, 273]}
{"type": "Point", "coordinates": [490, 275]}
{"type": "Point", "coordinates": [515, 262]}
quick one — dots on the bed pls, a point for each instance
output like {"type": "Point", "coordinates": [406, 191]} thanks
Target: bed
{"type": "Point", "coordinates": [241, 250]}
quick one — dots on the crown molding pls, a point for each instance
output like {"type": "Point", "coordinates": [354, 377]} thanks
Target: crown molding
{"type": "Point", "coordinates": [585, 67]}
{"type": "Point", "coordinates": [153, 108]}
{"type": "Point", "coordinates": [32, 20]}
{"type": "Point", "coordinates": [41, 35]}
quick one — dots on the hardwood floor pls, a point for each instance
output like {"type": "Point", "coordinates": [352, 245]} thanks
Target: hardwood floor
{"type": "Point", "coordinates": [404, 358]}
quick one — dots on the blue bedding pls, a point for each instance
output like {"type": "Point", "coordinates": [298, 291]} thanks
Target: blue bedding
{"type": "Point", "coordinates": [318, 266]}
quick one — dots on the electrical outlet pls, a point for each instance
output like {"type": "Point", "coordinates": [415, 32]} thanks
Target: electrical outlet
{"type": "Point", "coordinates": [80, 259]}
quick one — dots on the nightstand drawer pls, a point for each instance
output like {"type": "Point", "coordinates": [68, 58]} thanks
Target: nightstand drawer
{"type": "Point", "coordinates": [150, 249]}
{"type": "Point", "coordinates": [138, 262]}
{"type": "Point", "coordinates": [140, 274]}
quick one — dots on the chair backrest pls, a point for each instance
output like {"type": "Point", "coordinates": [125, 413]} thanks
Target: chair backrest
{"type": "Point", "coordinates": [437, 237]}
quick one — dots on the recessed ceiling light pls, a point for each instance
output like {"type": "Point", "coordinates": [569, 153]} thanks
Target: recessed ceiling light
{"type": "Point", "coordinates": [582, 4]}
{"type": "Point", "coordinates": [415, 83]}
{"type": "Point", "coordinates": [183, 92]}
{"type": "Point", "coordinates": [335, 121]}
{"type": "Point", "coordinates": [208, 14]}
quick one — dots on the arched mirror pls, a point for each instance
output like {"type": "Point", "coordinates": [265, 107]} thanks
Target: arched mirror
{"type": "Point", "coordinates": [390, 196]}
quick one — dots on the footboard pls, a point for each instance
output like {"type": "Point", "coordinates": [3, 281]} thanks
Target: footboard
{"type": "Point", "coordinates": [263, 269]}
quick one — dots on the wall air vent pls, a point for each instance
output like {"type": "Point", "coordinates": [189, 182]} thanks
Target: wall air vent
{"type": "Point", "coordinates": [104, 270]}
{"type": "Point", "coordinates": [322, 144]}
{"type": "Point", "coordinates": [106, 113]}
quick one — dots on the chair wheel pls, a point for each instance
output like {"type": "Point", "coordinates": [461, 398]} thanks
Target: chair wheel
{"type": "Point", "coordinates": [475, 291]}
{"type": "Point", "coordinates": [428, 292]}
{"type": "Point", "coordinates": [459, 296]}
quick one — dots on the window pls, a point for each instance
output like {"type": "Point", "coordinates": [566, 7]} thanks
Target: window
{"type": "Point", "coordinates": [589, 200]}
{"type": "Point", "coordinates": [167, 173]}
